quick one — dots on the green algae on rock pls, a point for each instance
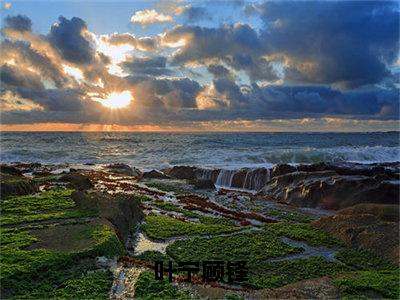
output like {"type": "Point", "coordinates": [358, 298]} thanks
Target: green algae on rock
{"type": "Point", "coordinates": [147, 288]}
{"type": "Point", "coordinates": [162, 228]}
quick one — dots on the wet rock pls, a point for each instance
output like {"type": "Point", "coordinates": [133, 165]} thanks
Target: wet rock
{"type": "Point", "coordinates": [41, 173]}
{"type": "Point", "coordinates": [83, 200]}
{"type": "Point", "coordinates": [210, 174]}
{"type": "Point", "coordinates": [282, 169]}
{"type": "Point", "coordinates": [13, 183]}
{"type": "Point", "coordinates": [203, 184]}
{"type": "Point", "coordinates": [329, 190]}
{"type": "Point", "coordinates": [5, 169]}
{"type": "Point", "coordinates": [77, 181]}
{"type": "Point", "coordinates": [17, 187]}
{"type": "Point", "coordinates": [385, 212]}
{"type": "Point", "coordinates": [122, 211]}
{"type": "Point", "coordinates": [154, 174]}
{"type": "Point", "coordinates": [181, 172]}
{"type": "Point", "coordinates": [320, 288]}
{"type": "Point", "coordinates": [388, 170]}
{"type": "Point", "coordinates": [368, 231]}
{"type": "Point", "coordinates": [27, 167]}
{"type": "Point", "coordinates": [124, 169]}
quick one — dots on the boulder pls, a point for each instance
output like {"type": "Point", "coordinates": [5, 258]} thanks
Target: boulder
{"type": "Point", "coordinates": [203, 184]}
{"type": "Point", "coordinates": [365, 227]}
{"type": "Point", "coordinates": [77, 181]}
{"type": "Point", "coordinates": [13, 183]}
{"type": "Point", "coordinates": [17, 187]}
{"type": "Point", "coordinates": [154, 174]}
{"type": "Point", "coordinates": [384, 170]}
{"type": "Point", "coordinates": [5, 169]}
{"type": "Point", "coordinates": [282, 169]}
{"type": "Point", "coordinates": [329, 190]}
{"type": "Point", "coordinates": [124, 169]}
{"type": "Point", "coordinates": [121, 211]}
{"type": "Point", "coordinates": [385, 212]}
{"type": "Point", "coordinates": [211, 174]}
{"type": "Point", "coordinates": [181, 172]}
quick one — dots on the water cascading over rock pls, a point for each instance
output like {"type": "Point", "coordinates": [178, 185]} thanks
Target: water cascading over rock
{"type": "Point", "coordinates": [250, 179]}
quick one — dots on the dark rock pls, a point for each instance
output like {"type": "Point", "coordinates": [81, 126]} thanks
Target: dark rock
{"type": "Point", "coordinates": [41, 173]}
{"type": "Point", "coordinates": [124, 169]}
{"type": "Point", "coordinates": [211, 174]}
{"type": "Point", "coordinates": [365, 227]}
{"type": "Point", "coordinates": [122, 212]}
{"type": "Point", "coordinates": [181, 172]}
{"type": "Point", "coordinates": [385, 212]}
{"type": "Point", "coordinates": [329, 190]}
{"type": "Point", "coordinates": [10, 170]}
{"type": "Point", "coordinates": [27, 167]}
{"type": "Point", "coordinates": [77, 181]}
{"type": "Point", "coordinates": [18, 187]}
{"type": "Point", "coordinates": [83, 200]}
{"type": "Point", "coordinates": [282, 169]}
{"type": "Point", "coordinates": [203, 184]}
{"type": "Point", "coordinates": [154, 174]}
{"type": "Point", "coordinates": [353, 169]}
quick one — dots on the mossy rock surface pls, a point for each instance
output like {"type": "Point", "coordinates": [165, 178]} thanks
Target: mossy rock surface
{"type": "Point", "coordinates": [51, 205]}
{"type": "Point", "coordinates": [162, 228]}
{"type": "Point", "coordinates": [147, 288]}
{"type": "Point", "coordinates": [55, 260]}
{"type": "Point", "coordinates": [369, 284]}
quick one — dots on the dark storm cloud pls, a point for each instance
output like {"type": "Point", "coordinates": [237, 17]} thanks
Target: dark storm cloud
{"type": "Point", "coordinates": [29, 57]}
{"type": "Point", "coordinates": [54, 99]}
{"type": "Point", "coordinates": [219, 71]}
{"type": "Point", "coordinates": [146, 65]}
{"type": "Point", "coordinates": [12, 76]}
{"type": "Point", "coordinates": [348, 43]}
{"type": "Point", "coordinates": [18, 22]}
{"type": "Point", "coordinates": [67, 36]}
{"type": "Point", "coordinates": [208, 43]}
{"type": "Point", "coordinates": [194, 14]}
{"type": "Point", "coordinates": [168, 93]}
{"type": "Point", "coordinates": [325, 100]}
{"type": "Point", "coordinates": [333, 58]}
{"type": "Point", "coordinates": [232, 91]}
{"type": "Point", "coordinates": [237, 45]}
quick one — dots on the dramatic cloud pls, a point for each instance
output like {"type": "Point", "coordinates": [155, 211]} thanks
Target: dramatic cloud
{"type": "Point", "coordinates": [298, 61]}
{"type": "Point", "coordinates": [68, 36]}
{"type": "Point", "coordinates": [19, 23]}
{"type": "Point", "coordinates": [149, 66]}
{"type": "Point", "coordinates": [143, 43]}
{"type": "Point", "coordinates": [346, 43]}
{"type": "Point", "coordinates": [192, 13]}
{"type": "Point", "coordinates": [150, 16]}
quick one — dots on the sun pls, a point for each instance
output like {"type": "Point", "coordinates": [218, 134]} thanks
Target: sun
{"type": "Point", "coordinates": [117, 100]}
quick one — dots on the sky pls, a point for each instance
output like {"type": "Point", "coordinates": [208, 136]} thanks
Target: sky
{"type": "Point", "coordinates": [199, 65]}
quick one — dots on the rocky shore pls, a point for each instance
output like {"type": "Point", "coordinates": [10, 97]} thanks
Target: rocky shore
{"type": "Point", "coordinates": [307, 231]}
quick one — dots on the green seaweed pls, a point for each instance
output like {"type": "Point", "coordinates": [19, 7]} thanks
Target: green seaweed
{"type": "Point", "coordinates": [147, 288]}
{"type": "Point", "coordinates": [53, 204]}
{"type": "Point", "coordinates": [302, 232]}
{"type": "Point", "coordinates": [162, 228]}
{"type": "Point", "coordinates": [38, 273]}
{"type": "Point", "coordinates": [291, 216]}
{"type": "Point", "coordinates": [190, 214]}
{"type": "Point", "coordinates": [363, 260]}
{"type": "Point", "coordinates": [358, 285]}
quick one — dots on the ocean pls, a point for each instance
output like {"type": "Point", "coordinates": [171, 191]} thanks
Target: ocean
{"type": "Point", "coordinates": [209, 150]}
